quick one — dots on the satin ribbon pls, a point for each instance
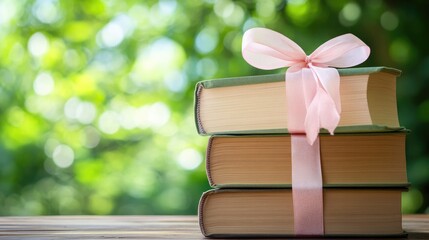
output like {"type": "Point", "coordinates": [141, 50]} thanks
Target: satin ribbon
{"type": "Point", "coordinates": [313, 102]}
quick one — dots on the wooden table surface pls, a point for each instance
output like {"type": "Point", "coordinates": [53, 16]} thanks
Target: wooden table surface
{"type": "Point", "coordinates": [136, 227]}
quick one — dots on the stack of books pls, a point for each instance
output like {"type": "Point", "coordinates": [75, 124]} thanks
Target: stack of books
{"type": "Point", "coordinates": [248, 157]}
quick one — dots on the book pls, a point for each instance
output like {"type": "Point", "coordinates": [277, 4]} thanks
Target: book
{"type": "Point", "coordinates": [269, 212]}
{"type": "Point", "coordinates": [257, 104]}
{"type": "Point", "coordinates": [362, 159]}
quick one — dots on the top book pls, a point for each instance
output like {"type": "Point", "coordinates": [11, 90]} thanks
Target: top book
{"type": "Point", "coordinates": [257, 104]}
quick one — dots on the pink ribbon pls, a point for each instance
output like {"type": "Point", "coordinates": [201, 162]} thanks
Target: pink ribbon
{"type": "Point", "coordinates": [313, 102]}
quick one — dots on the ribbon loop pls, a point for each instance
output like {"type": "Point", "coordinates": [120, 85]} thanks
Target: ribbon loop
{"type": "Point", "coordinates": [343, 51]}
{"type": "Point", "coordinates": [266, 49]}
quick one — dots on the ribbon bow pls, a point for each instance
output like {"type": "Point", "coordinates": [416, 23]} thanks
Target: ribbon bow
{"type": "Point", "coordinates": [313, 102]}
{"type": "Point", "coordinates": [313, 87]}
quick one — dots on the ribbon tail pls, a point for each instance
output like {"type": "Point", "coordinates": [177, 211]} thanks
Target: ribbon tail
{"type": "Point", "coordinates": [312, 119]}
{"type": "Point", "coordinates": [329, 78]}
{"type": "Point", "coordinates": [307, 187]}
{"type": "Point", "coordinates": [329, 118]}
{"type": "Point", "coordinates": [328, 102]}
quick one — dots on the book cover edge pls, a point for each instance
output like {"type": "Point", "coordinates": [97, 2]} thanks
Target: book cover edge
{"type": "Point", "coordinates": [198, 123]}
{"type": "Point", "coordinates": [208, 168]}
{"type": "Point", "coordinates": [355, 129]}
{"type": "Point", "coordinates": [404, 186]}
{"type": "Point", "coordinates": [243, 80]}
{"type": "Point", "coordinates": [201, 204]}
{"type": "Point", "coordinates": [399, 235]}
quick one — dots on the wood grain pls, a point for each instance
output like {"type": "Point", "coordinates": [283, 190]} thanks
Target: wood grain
{"type": "Point", "coordinates": [136, 227]}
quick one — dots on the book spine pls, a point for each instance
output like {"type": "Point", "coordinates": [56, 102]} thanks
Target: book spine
{"type": "Point", "coordinates": [201, 213]}
{"type": "Point", "coordinates": [197, 105]}
{"type": "Point", "coordinates": [208, 162]}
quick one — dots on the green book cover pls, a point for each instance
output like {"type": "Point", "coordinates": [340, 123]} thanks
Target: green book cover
{"type": "Point", "coordinates": [226, 82]}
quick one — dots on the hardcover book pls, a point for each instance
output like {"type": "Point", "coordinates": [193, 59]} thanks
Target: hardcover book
{"type": "Point", "coordinates": [269, 212]}
{"type": "Point", "coordinates": [257, 104]}
{"type": "Point", "coordinates": [362, 159]}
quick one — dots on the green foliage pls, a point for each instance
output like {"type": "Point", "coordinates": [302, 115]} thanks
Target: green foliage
{"type": "Point", "coordinates": [96, 97]}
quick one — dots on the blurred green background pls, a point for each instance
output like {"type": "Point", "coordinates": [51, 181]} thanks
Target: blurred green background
{"type": "Point", "coordinates": [96, 97]}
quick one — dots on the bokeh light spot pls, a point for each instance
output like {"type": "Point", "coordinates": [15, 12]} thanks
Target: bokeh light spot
{"type": "Point", "coordinates": [63, 156]}
{"type": "Point", "coordinates": [38, 44]}
{"type": "Point", "coordinates": [115, 31]}
{"type": "Point", "coordinates": [127, 118]}
{"type": "Point", "coordinates": [43, 84]}
{"type": "Point", "coordinates": [109, 122]}
{"type": "Point", "coordinates": [167, 6]}
{"type": "Point", "coordinates": [176, 81]}
{"type": "Point", "coordinates": [8, 10]}
{"type": "Point", "coordinates": [224, 8]}
{"type": "Point", "coordinates": [302, 12]}
{"type": "Point", "coordinates": [389, 21]}
{"type": "Point", "coordinates": [82, 111]}
{"type": "Point", "coordinates": [400, 50]}
{"type": "Point", "coordinates": [111, 35]}
{"type": "Point", "coordinates": [91, 137]}
{"type": "Point", "coordinates": [153, 116]}
{"type": "Point", "coordinates": [411, 200]}
{"type": "Point", "coordinates": [350, 14]}
{"type": "Point", "coordinates": [157, 59]}
{"type": "Point", "coordinates": [189, 159]}
{"type": "Point", "coordinates": [206, 40]}
{"type": "Point", "coordinates": [46, 11]}
{"type": "Point", "coordinates": [206, 68]}
{"type": "Point", "coordinates": [251, 23]}
{"type": "Point", "coordinates": [50, 146]}
{"type": "Point", "coordinates": [266, 9]}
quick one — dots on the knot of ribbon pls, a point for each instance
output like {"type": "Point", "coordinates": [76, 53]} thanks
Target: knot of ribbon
{"type": "Point", "coordinates": [315, 100]}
